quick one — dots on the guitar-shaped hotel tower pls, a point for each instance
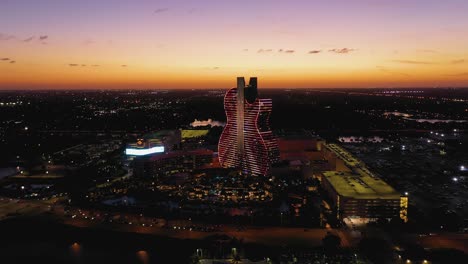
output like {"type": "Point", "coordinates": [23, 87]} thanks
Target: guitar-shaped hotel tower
{"type": "Point", "coordinates": [247, 142]}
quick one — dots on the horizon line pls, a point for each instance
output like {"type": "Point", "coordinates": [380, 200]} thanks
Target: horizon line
{"type": "Point", "coordinates": [205, 89]}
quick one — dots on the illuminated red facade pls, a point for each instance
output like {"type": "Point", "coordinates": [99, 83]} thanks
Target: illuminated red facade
{"type": "Point", "coordinates": [247, 142]}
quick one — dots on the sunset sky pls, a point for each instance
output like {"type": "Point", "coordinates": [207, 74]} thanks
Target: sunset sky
{"type": "Point", "coordinates": [207, 43]}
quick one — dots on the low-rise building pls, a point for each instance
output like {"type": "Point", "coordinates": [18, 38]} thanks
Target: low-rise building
{"type": "Point", "coordinates": [172, 162]}
{"type": "Point", "coordinates": [356, 192]}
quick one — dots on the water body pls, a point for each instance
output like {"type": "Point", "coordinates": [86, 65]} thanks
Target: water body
{"type": "Point", "coordinates": [5, 172]}
{"type": "Point", "coordinates": [407, 116]}
{"type": "Point", "coordinates": [434, 121]}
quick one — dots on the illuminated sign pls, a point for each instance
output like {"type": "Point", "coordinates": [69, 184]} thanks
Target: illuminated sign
{"type": "Point", "coordinates": [142, 152]}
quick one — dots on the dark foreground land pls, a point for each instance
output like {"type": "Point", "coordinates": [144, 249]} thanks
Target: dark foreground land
{"type": "Point", "coordinates": [38, 240]}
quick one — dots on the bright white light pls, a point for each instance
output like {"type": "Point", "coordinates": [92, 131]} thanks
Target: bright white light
{"type": "Point", "coordinates": [455, 179]}
{"type": "Point", "coordinates": [142, 152]}
{"type": "Point", "coordinates": [462, 168]}
{"type": "Point", "coordinates": [406, 193]}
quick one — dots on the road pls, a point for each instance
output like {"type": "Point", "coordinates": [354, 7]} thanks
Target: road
{"type": "Point", "coordinates": [442, 240]}
{"type": "Point", "coordinates": [272, 236]}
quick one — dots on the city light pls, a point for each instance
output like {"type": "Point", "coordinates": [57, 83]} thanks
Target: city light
{"type": "Point", "coordinates": [142, 152]}
{"type": "Point", "coordinates": [455, 179]}
{"type": "Point", "coordinates": [462, 168]}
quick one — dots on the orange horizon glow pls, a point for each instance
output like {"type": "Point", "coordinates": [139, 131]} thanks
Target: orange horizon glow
{"type": "Point", "coordinates": [183, 45]}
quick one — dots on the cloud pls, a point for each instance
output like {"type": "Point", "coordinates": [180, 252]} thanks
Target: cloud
{"type": "Point", "coordinates": [314, 51]}
{"type": "Point", "coordinates": [42, 38]}
{"type": "Point", "coordinates": [5, 59]}
{"type": "Point", "coordinates": [245, 50]}
{"type": "Point", "coordinates": [6, 36]}
{"type": "Point", "coordinates": [212, 68]}
{"type": "Point", "coordinates": [386, 70]}
{"type": "Point", "coordinates": [202, 123]}
{"type": "Point", "coordinates": [285, 51]}
{"type": "Point", "coordinates": [89, 42]}
{"type": "Point", "coordinates": [83, 65]}
{"type": "Point", "coordinates": [341, 51]}
{"type": "Point", "coordinates": [161, 10]}
{"type": "Point", "coordinates": [264, 50]}
{"type": "Point", "coordinates": [414, 62]}
{"type": "Point", "coordinates": [123, 65]}
{"type": "Point", "coordinates": [458, 61]}
{"type": "Point", "coordinates": [12, 61]}
{"type": "Point", "coordinates": [28, 39]}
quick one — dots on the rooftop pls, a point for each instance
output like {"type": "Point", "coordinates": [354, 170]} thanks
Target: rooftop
{"type": "Point", "coordinates": [344, 155]}
{"type": "Point", "coordinates": [360, 185]}
{"type": "Point", "coordinates": [194, 133]}
{"type": "Point", "coordinates": [173, 154]}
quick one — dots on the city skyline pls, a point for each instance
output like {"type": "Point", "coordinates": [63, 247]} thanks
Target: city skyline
{"type": "Point", "coordinates": [182, 44]}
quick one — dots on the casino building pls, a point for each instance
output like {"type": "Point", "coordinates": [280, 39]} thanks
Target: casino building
{"type": "Point", "coordinates": [173, 162]}
{"type": "Point", "coordinates": [154, 143]}
{"type": "Point", "coordinates": [358, 193]}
